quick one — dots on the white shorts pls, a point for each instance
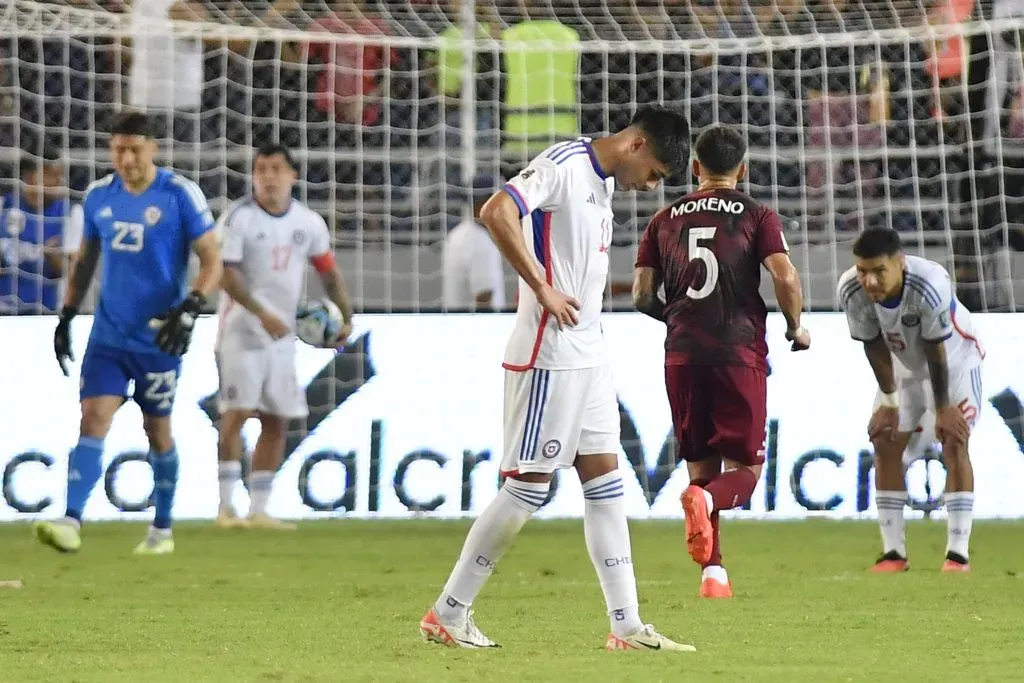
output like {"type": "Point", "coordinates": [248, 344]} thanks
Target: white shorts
{"type": "Point", "coordinates": [553, 415]}
{"type": "Point", "coordinates": [261, 380]}
{"type": "Point", "coordinates": [917, 399]}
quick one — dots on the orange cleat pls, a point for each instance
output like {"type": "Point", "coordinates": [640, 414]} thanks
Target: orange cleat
{"type": "Point", "coordinates": [466, 635]}
{"type": "Point", "coordinates": [432, 630]}
{"type": "Point", "coordinates": [699, 533]}
{"type": "Point", "coordinates": [956, 564]}
{"type": "Point", "coordinates": [710, 588]}
{"type": "Point", "coordinates": [890, 563]}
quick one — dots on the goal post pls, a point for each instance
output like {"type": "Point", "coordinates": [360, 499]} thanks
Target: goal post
{"type": "Point", "coordinates": [854, 120]}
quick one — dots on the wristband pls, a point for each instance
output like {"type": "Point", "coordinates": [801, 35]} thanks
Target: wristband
{"type": "Point", "coordinates": [891, 400]}
{"type": "Point", "coordinates": [194, 302]}
{"type": "Point", "coordinates": [68, 312]}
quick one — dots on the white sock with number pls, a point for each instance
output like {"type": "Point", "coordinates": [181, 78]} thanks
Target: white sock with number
{"type": "Point", "coordinates": [959, 519]}
{"type": "Point", "coordinates": [488, 539]}
{"type": "Point", "coordinates": [229, 474]}
{"type": "Point", "coordinates": [890, 506]}
{"type": "Point", "coordinates": [607, 534]}
{"type": "Point", "coordinates": [260, 485]}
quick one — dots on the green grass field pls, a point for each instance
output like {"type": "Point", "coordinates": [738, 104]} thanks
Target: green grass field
{"type": "Point", "coordinates": [340, 601]}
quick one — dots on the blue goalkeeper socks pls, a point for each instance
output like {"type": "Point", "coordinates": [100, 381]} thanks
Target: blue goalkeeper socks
{"type": "Point", "coordinates": [85, 465]}
{"type": "Point", "coordinates": [165, 481]}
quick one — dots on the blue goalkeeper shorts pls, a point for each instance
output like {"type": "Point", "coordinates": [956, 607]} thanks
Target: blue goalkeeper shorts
{"type": "Point", "coordinates": [107, 371]}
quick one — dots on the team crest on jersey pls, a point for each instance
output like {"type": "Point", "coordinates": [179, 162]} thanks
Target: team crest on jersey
{"type": "Point", "coordinates": [15, 222]}
{"type": "Point", "coordinates": [910, 319]}
{"type": "Point", "coordinates": [551, 449]}
{"type": "Point", "coordinates": [152, 215]}
{"type": "Point", "coordinates": [298, 237]}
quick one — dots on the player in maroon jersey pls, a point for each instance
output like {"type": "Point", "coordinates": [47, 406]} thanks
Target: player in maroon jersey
{"type": "Point", "coordinates": [707, 250]}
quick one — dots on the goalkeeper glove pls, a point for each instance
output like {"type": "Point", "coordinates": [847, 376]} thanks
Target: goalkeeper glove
{"type": "Point", "coordinates": [175, 333]}
{"type": "Point", "coordinates": [62, 337]}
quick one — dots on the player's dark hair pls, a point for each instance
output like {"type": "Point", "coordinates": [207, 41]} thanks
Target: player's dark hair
{"type": "Point", "coordinates": [720, 150]}
{"type": "Point", "coordinates": [669, 134]}
{"type": "Point", "coordinates": [131, 123]}
{"type": "Point", "coordinates": [269, 149]}
{"type": "Point", "coordinates": [877, 242]}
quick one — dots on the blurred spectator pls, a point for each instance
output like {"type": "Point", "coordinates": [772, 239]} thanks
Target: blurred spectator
{"type": "Point", "coordinates": [351, 89]}
{"type": "Point", "coordinates": [39, 231]}
{"type": "Point", "coordinates": [165, 77]}
{"type": "Point", "coordinates": [946, 57]}
{"type": "Point", "coordinates": [449, 66]}
{"type": "Point", "coordinates": [8, 110]}
{"type": "Point", "coordinates": [473, 276]}
{"type": "Point", "coordinates": [542, 78]}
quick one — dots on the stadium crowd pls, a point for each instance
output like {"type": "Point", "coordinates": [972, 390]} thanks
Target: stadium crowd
{"type": "Point", "coordinates": [843, 132]}
{"type": "Point", "coordinates": [808, 96]}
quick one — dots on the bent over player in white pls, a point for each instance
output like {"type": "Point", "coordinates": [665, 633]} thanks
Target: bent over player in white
{"type": "Point", "coordinates": [904, 306]}
{"type": "Point", "coordinates": [267, 241]}
{"type": "Point", "coordinates": [553, 223]}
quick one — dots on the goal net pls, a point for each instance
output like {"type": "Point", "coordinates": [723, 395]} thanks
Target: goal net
{"type": "Point", "coordinates": [858, 113]}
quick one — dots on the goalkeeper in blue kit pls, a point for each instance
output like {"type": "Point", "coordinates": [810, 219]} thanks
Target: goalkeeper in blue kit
{"type": "Point", "coordinates": [144, 221]}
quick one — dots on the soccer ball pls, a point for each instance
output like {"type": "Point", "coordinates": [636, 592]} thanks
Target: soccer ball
{"type": "Point", "coordinates": [318, 321]}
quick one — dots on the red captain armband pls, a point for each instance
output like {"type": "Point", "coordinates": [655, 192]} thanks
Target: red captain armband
{"type": "Point", "coordinates": [324, 262]}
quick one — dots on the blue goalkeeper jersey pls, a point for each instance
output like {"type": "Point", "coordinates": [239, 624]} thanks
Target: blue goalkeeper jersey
{"type": "Point", "coordinates": [146, 240]}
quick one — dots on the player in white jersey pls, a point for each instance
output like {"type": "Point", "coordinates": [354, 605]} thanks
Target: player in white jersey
{"type": "Point", "coordinates": [903, 307]}
{"type": "Point", "coordinates": [267, 241]}
{"type": "Point", "coordinates": [553, 223]}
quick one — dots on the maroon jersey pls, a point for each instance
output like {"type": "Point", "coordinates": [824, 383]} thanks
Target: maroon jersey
{"type": "Point", "coordinates": [708, 248]}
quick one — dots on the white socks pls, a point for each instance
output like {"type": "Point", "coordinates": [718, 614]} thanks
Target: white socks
{"type": "Point", "coordinates": [709, 499]}
{"type": "Point", "coordinates": [605, 529]}
{"type": "Point", "coordinates": [229, 474]}
{"type": "Point", "coordinates": [490, 536]}
{"type": "Point", "coordinates": [260, 484]}
{"type": "Point", "coordinates": [716, 572]}
{"type": "Point", "coordinates": [607, 535]}
{"type": "Point", "coordinates": [891, 522]}
{"type": "Point", "coordinates": [959, 518]}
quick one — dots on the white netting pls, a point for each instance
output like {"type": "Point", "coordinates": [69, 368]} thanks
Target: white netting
{"type": "Point", "coordinates": [857, 112]}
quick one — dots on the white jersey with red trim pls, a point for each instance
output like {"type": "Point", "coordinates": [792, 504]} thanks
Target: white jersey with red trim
{"type": "Point", "coordinates": [927, 311]}
{"type": "Point", "coordinates": [565, 200]}
{"type": "Point", "coordinates": [271, 251]}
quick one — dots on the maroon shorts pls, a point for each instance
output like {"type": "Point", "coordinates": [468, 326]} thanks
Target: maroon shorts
{"type": "Point", "coordinates": [718, 411]}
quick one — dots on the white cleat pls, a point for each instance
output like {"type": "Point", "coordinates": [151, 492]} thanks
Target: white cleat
{"type": "Point", "coordinates": [62, 536]}
{"type": "Point", "coordinates": [156, 542]}
{"type": "Point", "coordinates": [228, 519]}
{"type": "Point", "coordinates": [646, 639]}
{"type": "Point", "coordinates": [466, 635]}
{"type": "Point", "coordinates": [265, 521]}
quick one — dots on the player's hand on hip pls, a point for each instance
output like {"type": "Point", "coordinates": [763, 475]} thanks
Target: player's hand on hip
{"type": "Point", "coordinates": [800, 337]}
{"type": "Point", "coordinates": [951, 425]}
{"type": "Point", "coordinates": [274, 326]}
{"type": "Point", "coordinates": [343, 334]}
{"type": "Point", "coordinates": [62, 338]}
{"type": "Point", "coordinates": [884, 423]}
{"type": "Point", "coordinates": [562, 307]}
{"type": "Point", "coordinates": [175, 332]}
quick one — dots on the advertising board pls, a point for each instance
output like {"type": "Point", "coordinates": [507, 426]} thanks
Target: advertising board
{"type": "Point", "coordinates": [407, 421]}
